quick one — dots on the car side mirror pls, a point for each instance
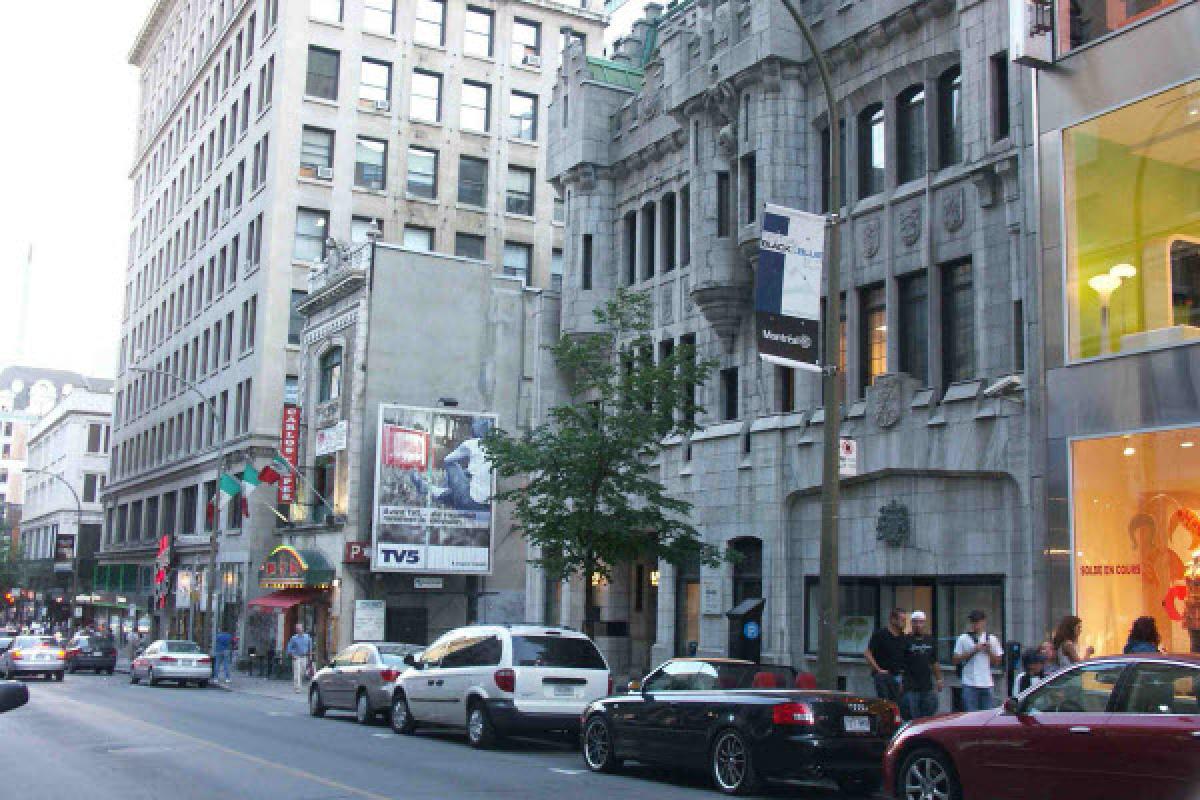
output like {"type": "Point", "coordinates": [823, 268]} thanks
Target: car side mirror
{"type": "Point", "coordinates": [12, 695]}
{"type": "Point", "coordinates": [409, 660]}
{"type": "Point", "coordinates": [1010, 706]}
{"type": "Point", "coordinates": [634, 686]}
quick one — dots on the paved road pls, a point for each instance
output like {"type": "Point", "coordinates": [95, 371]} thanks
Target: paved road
{"type": "Point", "coordinates": [101, 738]}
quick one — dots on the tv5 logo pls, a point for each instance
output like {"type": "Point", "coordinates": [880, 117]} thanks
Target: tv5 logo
{"type": "Point", "coordinates": [391, 555]}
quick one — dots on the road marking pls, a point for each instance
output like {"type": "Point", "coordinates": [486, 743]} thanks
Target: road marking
{"type": "Point", "coordinates": [284, 714]}
{"type": "Point", "coordinates": [568, 771]}
{"type": "Point", "coordinates": [382, 735]}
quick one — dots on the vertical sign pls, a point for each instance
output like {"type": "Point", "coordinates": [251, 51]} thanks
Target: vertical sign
{"type": "Point", "coordinates": [847, 458]}
{"type": "Point", "coordinates": [1030, 29]}
{"type": "Point", "coordinates": [787, 291]}
{"type": "Point", "coordinates": [289, 443]}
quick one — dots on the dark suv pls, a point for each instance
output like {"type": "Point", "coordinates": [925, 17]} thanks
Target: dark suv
{"type": "Point", "coordinates": [92, 651]}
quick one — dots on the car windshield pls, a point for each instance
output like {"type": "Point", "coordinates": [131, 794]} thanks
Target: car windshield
{"type": "Point", "coordinates": [34, 641]}
{"type": "Point", "coordinates": [96, 643]}
{"type": "Point", "coordinates": [556, 651]}
{"type": "Point", "coordinates": [182, 647]}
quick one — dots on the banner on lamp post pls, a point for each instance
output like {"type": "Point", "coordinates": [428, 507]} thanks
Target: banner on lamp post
{"type": "Point", "coordinates": [787, 290]}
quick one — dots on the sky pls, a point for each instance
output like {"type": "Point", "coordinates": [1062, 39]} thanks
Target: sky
{"type": "Point", "coordinates": [68, 140]}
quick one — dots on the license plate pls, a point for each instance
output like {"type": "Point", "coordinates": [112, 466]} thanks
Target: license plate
{"type": "Point", "coordinates": [189, 663]}
{"type": "Point", "coordinates": [564, 691]}
{"type": "Point", "coordinates": [43, 658]}
{"type": "Point", "coordinates": [857, 724]}
{"type": "Point", "coordinates": [97, 653]}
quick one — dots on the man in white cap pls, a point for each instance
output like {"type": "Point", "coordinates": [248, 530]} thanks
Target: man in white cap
{"type": "Point", "coordinates": [921, 672]}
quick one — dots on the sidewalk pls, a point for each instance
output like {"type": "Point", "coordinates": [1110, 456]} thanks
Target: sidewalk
{"type": "Point", "coordinates": [263, 687]}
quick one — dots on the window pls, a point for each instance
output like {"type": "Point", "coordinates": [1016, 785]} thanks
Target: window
{"type": "Point", "coordinates": [316, 150]}
{"type": "Point", "coordinates": [422, 172]}
{"type": "Point", "coordinates": [1132, 227]}
{"type": "Point", "coordinates": [518, 259]}
{"type": "Point", "coordinates": [374, 84]}
{"type": "Point", "coordinates": [95, 439]}
{"type": "Point", "coordinates": [322, 80]}
{"type": "Point", "coordinates": [785, 392]}
{"type": "Point", "coordinates": [747, 569]}
{"type": "Point", "coordinates": [1163, 689]}
{"type": "Point", "coordinates": [518, 197]}
{"type": "Point", "coordinates": [749, 173]}
{"type": "Point", "coordinates": [729, 393]}
{"type": "Point", "coordinates": [585, 268]}
{"type": "Point", "coordinates": [469, 245]}
{"type": "Point", "coordinates": [870, 151]}
{"type": "Point", "coordinates": [910, 134]}
{"type": "Point", "coordinates": [425, 104]}
{"type": "Point", "coordinates": [429, 25]}
{"type": "Point", "coordinates": [311, 230]}
{"type": "Point", "coordinates": [1086, 690]}
{"type": "Point", "coordinates": [950, 117]}
{"type": "Point", "coordinates": [685, 226]}
{"type": "Point", "coordinates": [526, 43]}
{"type": "Point", "coordinates": [669, 243]}
{"type": "Point", "coordinates": [522, 116]}
{"type": "Point", "coordinates": [379, 16]}
{"type": "Point", "coordinates": [91, 484]}
{"type": "Point", "coordinates": [295, 318]}
{"type": "Point", "coordinates": [328, 10]}
{"type": "Point", "coordinates": [556, 269]}
{"type": "Point", "coordinates": [958, 323]}
{"type": "Point", "coordinates": [331, 376]}
{"type": "Point", "coordinates": [361, 228]}
{"type": "Point", "coordinates": [556, 652]}
{"type": "Point", "coordinates": [723, 191]}
{"type": "Point", "coordinates": [473, 651]}
{"type": "Point", "coordinates": [649, 229]}
{"type": "Point", "coordinates": [999, 72]}
{"type": "Point", "coordinates": [631, 247]}
{"type": "Point", "coordinates": [475, 106]}
{"type": "Point", "coordinates": [187, 521]}
{"type": "Point", "coordinates": [370, 163]}
{"type": "Point", "coordinates": [873, 313]}
{"type": "Point", "coordinates": [477, 32]}
{"type": "Point", "coordinates": [914, 326]}
{"type": "Point", "coordinates": [1084, 21]}
{"type": "Point", "coordinates": [418, 238]}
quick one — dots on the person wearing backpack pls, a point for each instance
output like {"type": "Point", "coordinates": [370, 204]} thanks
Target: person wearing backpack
{"type": "Point", "coordinates": [975, 653]}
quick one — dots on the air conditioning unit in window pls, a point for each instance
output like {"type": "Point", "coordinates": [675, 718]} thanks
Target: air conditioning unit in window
{"type": "Point", "coordinates": [530, 60]}
{"type": "Point", "coordinates": [383, 105]}
{"type": "Point", "coordinates": [325, 173]}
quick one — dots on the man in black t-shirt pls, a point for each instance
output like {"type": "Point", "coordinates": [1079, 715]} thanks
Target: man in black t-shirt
{"type": "Point", "coordinates": [885, 656]}
{"type": "Point", "coordinates": [921, 672]}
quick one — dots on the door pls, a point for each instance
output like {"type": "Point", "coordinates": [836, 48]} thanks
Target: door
{"type": "Point", "coordinates": [421, 685]}
{"type": "Point", "coordinates": [407, 625]}
{"type": "Point", "coordinates": [656, 723]}
{"type": "Point", "coordinates": [1156, 730]}
{"type": "Point", "coordinates": [469, 661]}
{"type": "Point", "coordinates": [335, 684]}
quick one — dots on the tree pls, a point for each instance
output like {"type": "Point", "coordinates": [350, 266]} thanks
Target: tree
{"type": "Point", "coordinates": [590, 499]}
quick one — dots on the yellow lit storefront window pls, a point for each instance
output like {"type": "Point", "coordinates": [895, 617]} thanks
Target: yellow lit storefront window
{"type": "Point", "coordinates": [1132, 213]}
{"type": "Point", "coordinates": [1136, 524]}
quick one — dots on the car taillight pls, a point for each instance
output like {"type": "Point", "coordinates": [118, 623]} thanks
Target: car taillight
{"type": "Point", "coordinates": [203, 660]}
{"type": "Point", "coordinates": [610, 684]}
{"type": "Point", "coordinates": [506, 680]}
{"type": "Point", "coordinates": [62, 654]}
{"type": "Point", "coordinates": [388, 675]}
{"type": "Point", "coordinates": [793, 714]}
{"type": "Point", "coordinates": [897, 717]}
{"type": "Point", "coordinates": [167, 659]}
{"type": "Point", "coordinates": [15, 655]}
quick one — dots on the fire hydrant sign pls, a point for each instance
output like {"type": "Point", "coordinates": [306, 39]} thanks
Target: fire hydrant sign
{"type": "Point", "coordinates": [847, 458]}
{"type": "Point", "coordinates": [369, 620]}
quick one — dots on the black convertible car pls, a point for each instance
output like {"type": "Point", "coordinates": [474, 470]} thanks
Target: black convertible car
{"type": "Point", "coordinates": [745, 723]}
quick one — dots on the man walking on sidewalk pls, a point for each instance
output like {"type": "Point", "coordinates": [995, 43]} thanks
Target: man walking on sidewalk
{"type": "Point", "coordinates": [299, 647]}
{"type": "Point", "coordinates": [885, 656]}
{"type": "Point", "coordinates": [223, 655]}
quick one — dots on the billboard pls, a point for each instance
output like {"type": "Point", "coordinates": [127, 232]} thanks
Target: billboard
{"type": "Point", "coordinates": [787, 291]}
{"type": "Point", "coordinates": [433, 492]}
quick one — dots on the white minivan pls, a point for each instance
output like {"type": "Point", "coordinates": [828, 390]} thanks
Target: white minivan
{"type": "Point", "coordinates": [495, 680]}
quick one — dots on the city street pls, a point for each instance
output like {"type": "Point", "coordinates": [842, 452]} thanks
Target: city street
{"type": "Point", "coordinates": [103, 738]}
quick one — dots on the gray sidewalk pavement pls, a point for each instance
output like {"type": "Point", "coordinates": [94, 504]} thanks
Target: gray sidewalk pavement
{"type": "Point", "coordinates": [248, 684]}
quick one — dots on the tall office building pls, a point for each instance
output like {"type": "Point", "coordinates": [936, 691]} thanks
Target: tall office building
{"type": "Point", "coordinates": [266, 130]}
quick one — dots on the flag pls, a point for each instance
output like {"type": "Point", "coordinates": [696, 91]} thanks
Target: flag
{"type": "Point", "coordinates": [250, 479]}
{"type": "Point", "coordinates": [229, 486]}
{"type": "Point", "coordinates": [283, 462]}
{"type": "Point", "coordinates": [268, 475]}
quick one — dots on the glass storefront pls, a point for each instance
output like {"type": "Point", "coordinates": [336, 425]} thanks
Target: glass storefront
{"type": "Point", "coordinates": [1135, 516]}
{"type": "Point", "coordinates": [1132, 214]}
{"type": "Point", "coordinates": [1083, 21]}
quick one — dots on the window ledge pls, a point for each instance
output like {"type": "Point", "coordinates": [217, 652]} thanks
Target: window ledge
{"type": "Point", "coordinates": [470, 207]}
{"type": "Point", "coordinates": [522, 217]}
{"type": "Point", "coordinates": [523, 141]}
{"type": "Point", "coordinates": [369, 192]}
{"type": "Point", "coordinates": [329, 23]}
{"type": "Point", "coordinates": [482, 59]}
{"type": "Point", "coordinates": [473, 132]}
{"type": "Point", "coordinates": [437, 48]}
{"type": "Point", "coordinates": [263, 113]}
{"type": "Point", "coordinates": [429, 201]}
{"type": "Point", "coordinates": [372, 112]}
{"type": "Point", "coordinates": [527, 68]}
{"type": "Point", "coordinates": [389, 37]}
{"type": "Point", "coordinates": [321, 101]}
{"type": "Point", "coordinates": [430, 123]}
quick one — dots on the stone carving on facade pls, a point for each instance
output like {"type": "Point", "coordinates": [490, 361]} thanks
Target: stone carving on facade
{"type": "Point", "coordinates": [666, 301]}
{"type": "Point", "coordinates": [886, 400]}
{"type": "Point", "coordinates": [721, 101]}
{"type": "Point", "coordinates": [893, 527]}
{"type": "Point", "coordinates": [870, 238]}
{"type": "Point", "coordinates": [652, 104]}
{"type": "Point", "coordinates": [953, 209]}
{"type": "Point", "coordinates": [772, 74]}
{"type": "Point", "coordinates": [909, 222]}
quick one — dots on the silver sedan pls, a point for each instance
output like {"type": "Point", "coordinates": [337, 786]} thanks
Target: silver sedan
{"type": "Point", "coordinates": [361, 678]}
{"type": "Point", "coordinates": [172, 660]}
{"type": "Point", "coordinates": [34, 655]}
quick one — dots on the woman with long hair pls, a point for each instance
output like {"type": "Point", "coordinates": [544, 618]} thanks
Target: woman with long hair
{"type": "Point", "coordinates": [1066, 642]}
{"type": "Point", "coordinates": [1143, 637]}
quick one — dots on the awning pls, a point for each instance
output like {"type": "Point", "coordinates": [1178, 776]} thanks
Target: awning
{"type": "Point", "coordinates": [289, 568]}
{"type": "Point", "coordinates": [284, 598]}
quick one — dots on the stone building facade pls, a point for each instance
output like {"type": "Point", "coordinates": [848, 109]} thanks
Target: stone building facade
{"type": "Point", "coordinates": [665, 155]}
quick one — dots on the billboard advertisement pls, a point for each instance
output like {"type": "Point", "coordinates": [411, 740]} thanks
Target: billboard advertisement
{"type": "Point", "coordinates": [433, 492]}
{"type": "Point", "coordinates": [787, 291]}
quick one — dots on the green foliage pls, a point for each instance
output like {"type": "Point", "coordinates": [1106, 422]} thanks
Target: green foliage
{"type": "Point", "coordinates": [590, 499]}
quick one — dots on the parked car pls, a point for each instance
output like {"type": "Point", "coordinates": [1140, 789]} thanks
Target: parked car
{"type": "Point", "coordinates": [12, 695]}
{"type": "Point", "coordinates": [499, 680]}
{"type": "Point", "coordinates": [5, 643]}
{"type": "Point", "coordinates": [745, 723]}
{"type": "Point", "coordinates": [1123, 726]}
{"type": "Point", "coordinates": [362, 677]}
{"type": "Point", "coordinates": [33, 655]}
{"type": "Point", "coordinates": [91, 651]}
{"type": "Point", "coordinates": [172, 660]}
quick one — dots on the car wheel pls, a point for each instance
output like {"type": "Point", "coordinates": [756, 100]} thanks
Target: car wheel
{"type": "Point", "coordinates": [732, 765]}
{"type": "Point", "coordinates": [402, 718]}
{"type": "Point", "coordinates": [598, 746]}
{"type": "Point", "coordinates": [928, 774]}
{"type": "Point", "coordinates": [316, 707]}
{"type": "Point", "coordinates": [133, 678]}
{"type": "Point", "coordinates": [58, 676]}
{"type": "Point", "coordinates": [202, 684]}
{"type": "Point", "coordinates": [153, 681]}
{"type": "Point", "coordinates": [858, 785]}
{"type": "Point", "coordinates": [362, 709]}
{"type": "Point", "coordinates": [481, 733]}
{"type": "Point", "coordinates": [71, 668]}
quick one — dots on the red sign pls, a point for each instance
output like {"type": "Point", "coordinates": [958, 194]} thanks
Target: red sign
{"type": "Point", "coordinates": [357, 553]}
{"type": "Point", "coordinates": [289, 444]}
{"type": "Point", "coordinates": [405, 448]}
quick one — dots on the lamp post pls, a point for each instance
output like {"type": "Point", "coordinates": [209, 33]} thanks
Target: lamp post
{"type": "Point", "coordinates": [211, 404]}
{"type": "Point", "coordinates": [828, 617]}
{"type": "Point", "coordinates": [78, 522]}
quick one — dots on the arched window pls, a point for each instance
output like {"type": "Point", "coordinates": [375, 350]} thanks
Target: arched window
{"type": "Point", "coordinates": [910, 134]}
{"type": "Point", "coordinates": [949, 89]}
{"type": "Point", "coordinates": [871, 151]}
{"type": "Point", "coordinates": [331, 375]}
{"type": "Point", "coordinates": [747, 569]}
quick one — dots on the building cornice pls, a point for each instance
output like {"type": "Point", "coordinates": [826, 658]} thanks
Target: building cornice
{"type": "Point", "coordinates": [152, 25]}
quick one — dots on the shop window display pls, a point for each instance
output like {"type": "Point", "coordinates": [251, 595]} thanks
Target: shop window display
{"type": "Point", "coordinates": [1082, 21]}
{"type": "Point", "coordinates": [1132, 218]}
{"type": "Point", "coordinates": [1136, 525]}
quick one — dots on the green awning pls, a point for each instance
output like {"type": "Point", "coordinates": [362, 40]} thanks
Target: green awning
{"type": "Point", "coordinates": [290, 568]}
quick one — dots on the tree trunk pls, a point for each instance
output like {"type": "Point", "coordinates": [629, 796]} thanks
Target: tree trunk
{"type": "Point", "coordinates": [589, 601]}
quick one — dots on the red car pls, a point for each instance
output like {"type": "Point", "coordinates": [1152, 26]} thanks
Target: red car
{"type": "Point", "coordinates": [1118, 727]}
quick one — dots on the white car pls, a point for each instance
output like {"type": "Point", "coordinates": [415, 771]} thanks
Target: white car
{"type": "Point", "coordinates": [495, 680]}
{"type": "Point", "coordinates": [172, 660]}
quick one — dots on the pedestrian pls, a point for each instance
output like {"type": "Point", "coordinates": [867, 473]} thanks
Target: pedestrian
{"type": "Point", "coordinates": [1066, 642]}
{"type": "Point", "coordinates": [921, 672]}
{"type": "Point", "coordinates": [1143, 637]}
{"type": "Point", "coordinates": [885, 656]}
{"type": "Point", "coordinates": [1033, 664]}
{"type": "Point", "coordinates": [299, 647]}
{"type": "Point", "coordinates": [975, 653]}
{"type": "Point", "coordinates": [223, 656]}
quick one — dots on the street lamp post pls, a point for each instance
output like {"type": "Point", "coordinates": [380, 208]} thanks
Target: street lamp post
{"type": "Point", "coordinates": [78, 522]}
{"type": "Point", "coordinates": [211, 404]}
{"type": "Point", "coordinates": [827, 649]}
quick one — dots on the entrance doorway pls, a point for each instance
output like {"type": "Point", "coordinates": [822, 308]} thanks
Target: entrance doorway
{"type": "Point", "coordinates": [407, 625]}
